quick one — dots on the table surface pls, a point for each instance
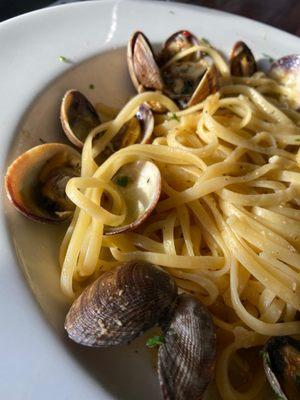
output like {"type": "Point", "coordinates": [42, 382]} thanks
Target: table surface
{"type": "Point", "coordinates": [284, 14]}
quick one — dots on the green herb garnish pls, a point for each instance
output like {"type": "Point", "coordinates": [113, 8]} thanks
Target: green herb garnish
{"type": "Point", "coordinates": [64, 59]}
{"type": "Point", "coordinates": [204, 40]}
{"type": "Point", "coordinates": [92, 86]}
{"type": "Point", "coordinates": [270, 58]}
{"type": "Point", "coordinates": [297, 379]}
{"type": "Point", "coordinates": [155, 341]}
{"type": "Point", "coordinates": [174, 116]}
{"type": "Point", "coordinates": [123, 181]}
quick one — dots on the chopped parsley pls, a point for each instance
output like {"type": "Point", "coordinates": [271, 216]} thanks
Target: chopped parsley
{"type": "Point", "coordinates": [64, 59]}
{"type": "Point", "coordinates": [123, 181]}
{"type": "Point", "coordinates": [174, 116]}
{"type": "Point", "coordinates": [204, 40]}
{"type": "Point", "coordinates": [92, 86]}
{"type": "Point", "coordinates": [270, 58]}
{"type": "Point", "coordinates": [155, 341]}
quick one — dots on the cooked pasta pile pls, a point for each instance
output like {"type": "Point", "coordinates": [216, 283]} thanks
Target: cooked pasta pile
{"type": "Point", "coordinates": [227, 226]}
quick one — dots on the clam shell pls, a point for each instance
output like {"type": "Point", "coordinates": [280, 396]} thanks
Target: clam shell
{"type": "Point", "coordinates": [186, 360]}
{"type": "Point", "coordinates": [138, 129]}
{"type": "Point", "coordinates": [286, 71]}
{"type": "Point", "coordinates": [78, 117]}
{"type": "Point", "coordinates": [208, 84]}
{"type": "Point", "coordinates": [179, 41]}
{"type": "Point", "coordinates": [120, 305]}
{"type": "Point", "coordinates": [281, 360]}
{"type": "Point", "coordinates": [140, 185]}
{"type": "Point", "coordinates": [35, 182]}
{"type": "Point", "coordinates": [142, 66]}
{"type": "Point", "coordinates": [242, 61]}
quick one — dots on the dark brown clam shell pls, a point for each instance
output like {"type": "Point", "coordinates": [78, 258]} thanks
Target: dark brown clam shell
{"type": "Point", "coordinates": [142, 65]}
{"type": "Point", "coordinates": [120, 305]}
{"type": "Point", "coordinates": [242, 61]}
{"type": "Point", "coordinates": [179, 41]}
{"type": "Point", "coordinates": [78, 117]}
{"type": "Point", "coordinates": [186, 360]}
{"type": "Point", "coordinates": [281, 360]}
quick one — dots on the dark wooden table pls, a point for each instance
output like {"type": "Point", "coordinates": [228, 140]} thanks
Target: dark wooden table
{"type": "Point", "coordinates": [284, 14]}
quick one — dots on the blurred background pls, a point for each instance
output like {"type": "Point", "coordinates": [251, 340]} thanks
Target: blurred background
{"type": "Point", "coordinates": [283, 14]}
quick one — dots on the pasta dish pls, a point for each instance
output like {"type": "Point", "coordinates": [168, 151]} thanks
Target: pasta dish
{"type": "Point", "coordinates": [224, 218]}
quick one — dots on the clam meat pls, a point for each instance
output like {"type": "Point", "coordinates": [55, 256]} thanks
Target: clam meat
{"type": "Point", "coordinates": [281, 359]}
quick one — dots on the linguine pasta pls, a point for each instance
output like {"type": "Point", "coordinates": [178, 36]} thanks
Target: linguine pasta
{"type": "Point", "coordinates": [227, 226]}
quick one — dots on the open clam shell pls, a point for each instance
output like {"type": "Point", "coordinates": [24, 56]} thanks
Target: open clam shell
{"type": "Point", "coordinates": [78, 117]}
{"type": "Point", "coordinates": [35, 182]}
{"type": "Point", "coordinates": [186, 359]}
{"type": "Point", "coordinates": [281, 359]}
{"type": "Point", "coordinates": [138, 129]}
{"type": "Point", "coordinates": [208, 85]}
{"type": "Point", "coordinates": [242, 61]}
{"type": "Point", "coordinates": [286, 71]}
{"type": "Point", "coordinates": [179, 41]}
{"type": "Point", "coordinates": [142, 65]}
{"type": "Point", "coordinates": [140, 185]}
{"type": "Point", "coordinates": [121, 305]}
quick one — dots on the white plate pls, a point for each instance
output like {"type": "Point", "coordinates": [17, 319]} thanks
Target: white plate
{"type": "Point", "coordinates": [37, 362]}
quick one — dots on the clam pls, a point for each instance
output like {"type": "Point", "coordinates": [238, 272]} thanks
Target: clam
{"type": "Point", "coordinates": [242, 61]}
{"type": "Point", "coordinates": [179, 41]}
{"type": "Point", "coordinates": [140, 185]}
{"type": "Point", "coordinates": [286, 71]}
{"type": "Point", "coordinates": [35, 182]}
{"type": "Point", "coordinates": [120, 305]}
{"type": "Point", "coordinates": [186, 359]}
{"type": "Point", "coordinates": [137, 130]}
{"type": "Point", "coordinates": [187, 81]}
{"type": "Point", "coordinates": [78, 117]}
{"type": "Point", "coordinates": [208, 84]}
{"type": "Point", "coordinates": [142, 65]}
{"type": "Point", "coordinates": [281, 359]}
